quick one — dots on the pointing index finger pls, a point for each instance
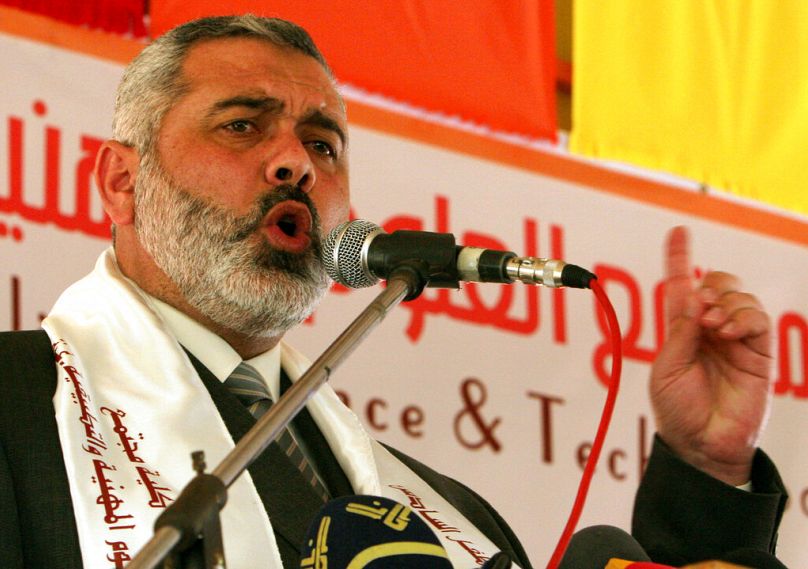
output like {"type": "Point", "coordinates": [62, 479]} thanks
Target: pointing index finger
{"type": "Point", "coordinates": [678, 282]}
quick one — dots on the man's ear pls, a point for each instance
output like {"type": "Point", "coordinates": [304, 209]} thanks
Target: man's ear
{"type": "Point", "coordinates": [116, 168]}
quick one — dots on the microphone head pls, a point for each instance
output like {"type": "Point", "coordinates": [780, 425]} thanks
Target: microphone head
{"type": "Point", "coordinates": [344, 253]}
{"type": "Point", "coordinates": [371, 532]}
{"type": "Point", "coordinates": [592, 547]}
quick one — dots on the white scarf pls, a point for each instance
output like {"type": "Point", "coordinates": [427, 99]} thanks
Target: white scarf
{"type": "Point", "coordinates": [131, 408]}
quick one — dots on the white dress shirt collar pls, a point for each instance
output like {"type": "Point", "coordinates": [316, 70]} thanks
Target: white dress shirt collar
{"type": "Point", "coordinates": [214, 353]}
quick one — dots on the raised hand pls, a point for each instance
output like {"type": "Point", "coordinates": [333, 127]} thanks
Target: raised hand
{"type": "Point", "coordinates": [710, 383]}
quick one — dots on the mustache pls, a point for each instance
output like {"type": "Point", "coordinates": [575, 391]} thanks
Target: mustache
{"type": "Point", "coordinates": [250, 223]}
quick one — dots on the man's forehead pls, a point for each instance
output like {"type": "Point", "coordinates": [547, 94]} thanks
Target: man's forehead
{"type": "Point", "coordinates": [250, 66]}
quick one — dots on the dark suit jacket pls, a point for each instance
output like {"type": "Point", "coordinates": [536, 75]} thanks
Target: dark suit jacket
{"type": "Point", "coordinates": [682, 515]}
{"type": "Point", "coordinates": [37, 526]}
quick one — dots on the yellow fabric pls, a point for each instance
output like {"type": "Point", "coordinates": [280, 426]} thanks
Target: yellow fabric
{"type": "Point", "coordinates": [715, 91]}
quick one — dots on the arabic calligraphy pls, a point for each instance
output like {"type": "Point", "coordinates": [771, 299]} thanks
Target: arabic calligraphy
{"type": "Point", "coordinates": [512, 309]}
{"type": "Point", "coordinates": [82, 218]}
{"type": "Point", "coordinates": [468, 305]}
{"type": "Point", "coordinates": [432, 516]}
{"type": "Point", "coordinates": [479, 556]}
{"type": "Point", "coordinates": [158, 495]}
{"type": "Point", "coordinates": [791, 325]}
{"type": "Point", "coordinates": [429, 515]}
{"type": "Point", "coordinates": [95, 440]}
{"type": "Point", "coordinates": [16, 316]}
{"type": "Point", "coordinates": [120, 553]}
{"type": "Point", "coordinates": [128, 443]}
{"type": "Point", "coordinates": [94, 444]}
{"type": "Point", "coordinates": [396, 518]}
{"type": "Point", "coordinates": [611, 276]}
{"type": "Point", "coordinates": [319, 553]}
{"type": "Point", "coordinates": [106, 497]}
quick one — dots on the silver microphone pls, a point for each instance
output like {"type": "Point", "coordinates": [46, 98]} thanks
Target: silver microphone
{"type": "Point", "coordinates": [358, 253]}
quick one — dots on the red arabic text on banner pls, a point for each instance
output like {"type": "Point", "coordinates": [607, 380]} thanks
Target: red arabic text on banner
{"type": "Point", "coordinates": [492, 63]}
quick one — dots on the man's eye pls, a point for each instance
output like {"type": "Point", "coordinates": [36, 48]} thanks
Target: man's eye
{"type": "Point", "coordinates": [240, 126]}
{"type": "Point", "coordinates": [323, 148]}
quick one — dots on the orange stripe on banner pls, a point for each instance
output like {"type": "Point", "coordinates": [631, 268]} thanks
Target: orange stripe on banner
{"type": "Point", "coordinates": [52, 32]}
{"type": "Point", "coordinates": [121, 50]}
{"type": "Point", "coordinates": [659, 194]}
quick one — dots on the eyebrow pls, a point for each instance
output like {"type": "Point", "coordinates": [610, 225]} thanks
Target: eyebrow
{"type": "Point", "coordinates": [320, 119]}
{"type": "Point", "coordinates": [270, 104]}
{"type": "Point", "coordinates": [276, 106]}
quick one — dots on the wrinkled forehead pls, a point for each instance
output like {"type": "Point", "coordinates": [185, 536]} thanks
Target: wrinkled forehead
{"type": "Point", "coordinates": [219, 67]}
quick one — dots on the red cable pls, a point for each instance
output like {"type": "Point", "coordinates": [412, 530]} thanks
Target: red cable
{"type": "Point", "coordinates": [603, 427]}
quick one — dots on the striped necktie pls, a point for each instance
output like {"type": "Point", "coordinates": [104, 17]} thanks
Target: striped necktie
{"type": "Point", "coordinates": [246, 383]}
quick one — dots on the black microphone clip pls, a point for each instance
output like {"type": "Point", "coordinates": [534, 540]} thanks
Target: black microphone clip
{"type": "Point", "coordinates": [433, 256]}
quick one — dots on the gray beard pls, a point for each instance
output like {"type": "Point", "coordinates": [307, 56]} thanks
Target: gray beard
{"type": "Point", "coordinates": [220, 262]}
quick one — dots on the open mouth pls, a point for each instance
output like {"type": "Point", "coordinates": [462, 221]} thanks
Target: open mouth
{"type": "Point", "coordinates": [288, 226]}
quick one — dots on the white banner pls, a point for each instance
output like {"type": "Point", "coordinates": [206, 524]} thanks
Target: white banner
{"type": "Point", "coordinates": [498, 386]}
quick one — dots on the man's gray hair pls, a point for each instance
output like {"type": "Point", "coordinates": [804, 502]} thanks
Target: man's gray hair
{"type": "Point", "coordinates": [153, 81]}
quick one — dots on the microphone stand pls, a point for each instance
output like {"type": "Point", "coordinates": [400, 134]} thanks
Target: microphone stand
{"type": "Point", "coordinates": [195, 513]}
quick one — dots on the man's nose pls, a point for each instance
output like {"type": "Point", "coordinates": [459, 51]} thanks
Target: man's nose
{"type": "Point", "coordinates": [290, 163]}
